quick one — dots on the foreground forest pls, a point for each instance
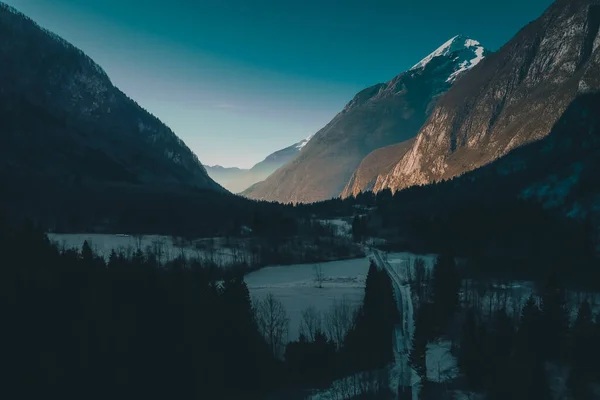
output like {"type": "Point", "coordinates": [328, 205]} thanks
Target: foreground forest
{"type": "Point", "coordinates": [76, 326]}
{"type": "Point", "coordinates": [544, 347]}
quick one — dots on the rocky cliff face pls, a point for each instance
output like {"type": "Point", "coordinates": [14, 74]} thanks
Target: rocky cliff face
{"type": "Point", "coordinates": [378, 162]}
{"type": "Point", "coordinates": [63, 122]}
{"type": "Point", "coordinates": [511, 98]}
{"type": "Point", "coordinates": [379, 116]}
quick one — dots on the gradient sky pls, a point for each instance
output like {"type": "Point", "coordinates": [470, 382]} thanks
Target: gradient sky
{"type": "Point", "coordinates": [238, 79]}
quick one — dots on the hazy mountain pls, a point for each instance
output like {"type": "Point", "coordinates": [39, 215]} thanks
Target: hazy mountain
{"type": "Point", "coordinates": [382, 115]}
{"type": "Point", "coordinates": [513, 97]}
{"type": "Point", "coordinates": [237, 180]}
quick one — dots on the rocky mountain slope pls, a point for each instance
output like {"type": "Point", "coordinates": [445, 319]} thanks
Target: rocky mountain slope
{"type": "Point", "coordinates": [378, 162]}
{"type": "Point", "coordinates": [513, 97]}
{"type": "Point", "coordinates": [237, 180]}
{"type": "Point", "coordinates": [382, 115]}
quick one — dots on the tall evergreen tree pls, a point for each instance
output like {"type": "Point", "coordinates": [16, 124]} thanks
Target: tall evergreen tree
{"type": "Point", "coordinates": [86, 252]}
{"type": "Point", "coordinates": [529, 379]}
{"type": "Point", "coordinates": [446, 287]}
{"type": "Point", "coordinates": [499, 347]}
{"type": "Point", "coordinates": [583, 355]}
{"type": "Point", "coordinates": [471, 356]}
{"type": "Point", "coordinates": [418, 354]}
{"type": "Point", "coordinates": [554, 315]}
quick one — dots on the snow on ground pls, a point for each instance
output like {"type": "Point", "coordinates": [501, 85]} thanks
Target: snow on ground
{"type": "Point", "coordinates": [399, 260]}
{"type": "Point", "coordinates": [351, 387]}
{"type": "Point", "coordinates": [441, 364]}
{"type": "Point", "coordinates": [295, 287]}
{"type": "Point", "coordinates": [170, 247]}
{"type": "Point", "coordinates": [343, 227]}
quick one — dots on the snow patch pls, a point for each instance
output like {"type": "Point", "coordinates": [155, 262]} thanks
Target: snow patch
{"type": "Point", "coordinates": [467, 65]}
{"type": "Point", "coordinates": [471, 43]}
{"type": "Point", "coordinates": [303, 143]}
{"type": "Point", "coordinates": [440, 51]}
{"type": "Point", "coordinates": [441, 364]}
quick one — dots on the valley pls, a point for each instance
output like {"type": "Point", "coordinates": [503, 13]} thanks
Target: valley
{"type": "Point", "coordinates": [436, 237]}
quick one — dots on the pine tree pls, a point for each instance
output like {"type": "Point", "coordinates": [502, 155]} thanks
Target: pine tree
{"type": "Point", "coordinates": [87, 255]}
{"type": "Point", "coordinates": [529, 379]}
{"type": "Point", "coordinates": [498, 352]}
{"type": "Point", "coordinates": [113, 259]}
{"type": "Point", "coordinates": [446, 286]}
{"type": "Point", "coordinates": [470, 356]}
{"type": "Point", "coordinates": [418, 354]}
{"type": "Point", "coordinates": [554, 315]}
{"type": "Point", "coordinates": [530, 331]}
{"type": "Point", "coordinates": [583, 357]}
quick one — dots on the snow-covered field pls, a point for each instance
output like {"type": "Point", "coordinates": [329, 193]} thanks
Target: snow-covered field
{"type": "Point", "coordinates": [295, 287]}
{"type": "Point", "coordinates": [441, 364]}
{"type": "Point", "coordinates": [169, 247]}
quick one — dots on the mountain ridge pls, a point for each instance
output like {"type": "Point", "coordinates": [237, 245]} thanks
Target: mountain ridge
{"type": "Point", "coordinates": [510, 99]}
{"type": "Point", "coordinates": [381, 115]}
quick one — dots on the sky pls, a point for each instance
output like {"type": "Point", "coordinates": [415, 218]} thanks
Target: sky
{"type": "Point", "coordinates": [239, 79]}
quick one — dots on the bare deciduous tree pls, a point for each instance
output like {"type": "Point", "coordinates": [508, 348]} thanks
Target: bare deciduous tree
{"type": "Point", "coordinates": [339, 320]}
{"type": "Point", "coordinates": [158, 248]}
{"type": "Point", "coordinates": [311, 323]}
{"type": "Point", "coordinates": [319, 276]}
{"type": "Point", "coordinates": [420, 276]}
{"type": "Point", "coordinates": [273, 323]}
{"type": "Point", "coordinates": [139, 239]}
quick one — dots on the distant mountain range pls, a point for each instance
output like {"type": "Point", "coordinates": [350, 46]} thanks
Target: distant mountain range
{"type": "Point", "coordinates": [382, 115]}
{"type": "Point", "coordinates": [237, 180]}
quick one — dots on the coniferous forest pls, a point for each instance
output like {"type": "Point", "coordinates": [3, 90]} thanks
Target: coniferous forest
{"type": "Point", "coordinates": [76, 327]}
{"type": "Point", "coordinates": [543, 350]}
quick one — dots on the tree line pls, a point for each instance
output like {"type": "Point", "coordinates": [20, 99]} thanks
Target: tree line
{"type": "Point", "coordinates": [75, 325]}
{"type": "Point", "coordinates": [505, 353]}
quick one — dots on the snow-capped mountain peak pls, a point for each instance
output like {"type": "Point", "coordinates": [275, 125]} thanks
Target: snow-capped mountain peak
{"type": "Point", "coordinates": [470, 51]}
{"type": "Point", "coordinates": [303, 143]}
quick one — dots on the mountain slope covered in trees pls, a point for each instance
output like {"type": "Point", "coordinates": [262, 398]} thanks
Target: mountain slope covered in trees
{"type": "Point", "coordinates": [67, 134]}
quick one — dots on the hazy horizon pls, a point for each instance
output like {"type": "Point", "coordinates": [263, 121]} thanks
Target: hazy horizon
{"type": "Point", "coordinates": [237, 80]}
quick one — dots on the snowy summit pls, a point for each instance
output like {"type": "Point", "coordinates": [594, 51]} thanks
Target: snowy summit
{"type": "Point", "coordinates": [470, 51]}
